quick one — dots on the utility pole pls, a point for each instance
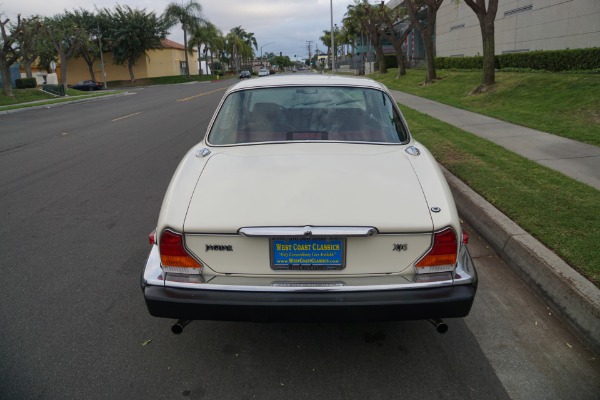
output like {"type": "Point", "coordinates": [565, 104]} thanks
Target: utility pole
{"type": "Point", "coordinates": [332, 41]}
{"type": "Point", "coordinates": [101, 55]}
{"type": "Point", "coordinates": [309, 44]}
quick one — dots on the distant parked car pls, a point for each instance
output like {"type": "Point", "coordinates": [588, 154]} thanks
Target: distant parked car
{"type": "Point", "coordinates": [245, 75]}
{"type": "Point", "coordinates": [88, 85]}
{"type": "Point", "coordinates": [263, 72]}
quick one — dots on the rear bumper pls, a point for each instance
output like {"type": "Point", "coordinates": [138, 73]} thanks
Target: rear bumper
{"type": "Point", "coordinates": [388, 305]}
{"type": "Point", "coordinates": [393, 298]}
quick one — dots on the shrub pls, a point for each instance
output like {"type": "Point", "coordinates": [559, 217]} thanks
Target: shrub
{"type": "Point", "coordinates": [25, 83]}
{"type": "Point", "coordinates": [554, 61]}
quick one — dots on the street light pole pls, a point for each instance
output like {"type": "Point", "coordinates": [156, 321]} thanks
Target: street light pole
{"type": "Point", "coordinates": [261, 47]}
{"type": "Point", "coordinates": [101, 55]}
{"type": "Point", "coordinates": [332, 42]}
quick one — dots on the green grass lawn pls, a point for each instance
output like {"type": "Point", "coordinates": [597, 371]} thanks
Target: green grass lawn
{"type": "Point", "coordinates": [560, 212]}
{"type": "Point", "coordinates": [23, 97]}
{"type": "Point", "coordinates": [161, 80]}
{"type": "Point", "coordinates": [566, 105]}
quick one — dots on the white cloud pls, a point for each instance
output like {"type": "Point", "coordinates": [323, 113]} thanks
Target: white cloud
{"type": "Point", "coordinates": [287, 23]}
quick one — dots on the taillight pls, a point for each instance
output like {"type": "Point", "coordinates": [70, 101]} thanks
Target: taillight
{"type": "Point", "coordinates": [174, 257]}
{"type": "Point", "coordinates": [465, 237]}
{"type": "Point", "coordinates": [442, 255]}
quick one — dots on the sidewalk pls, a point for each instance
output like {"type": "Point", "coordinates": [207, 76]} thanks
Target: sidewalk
{"type": "Point", "coordinates": [575, 298]}
{"type": "Point", "coordinates": [577, 160]}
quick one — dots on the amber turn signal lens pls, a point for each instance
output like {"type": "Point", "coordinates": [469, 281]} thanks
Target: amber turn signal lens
{"type": "Point", "coordinates": [173, 255]}
{"type": "Point", "coordinates": [442, 255]}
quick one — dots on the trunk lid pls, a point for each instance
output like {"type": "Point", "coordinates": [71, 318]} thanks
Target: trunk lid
{"type": "Point", "coordinates": [364, 186]}
{"type": "Point", "coordinates": [298, 188]}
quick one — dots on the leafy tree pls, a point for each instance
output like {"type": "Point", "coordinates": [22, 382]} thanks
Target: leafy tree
{"type": "Point", "coordinates": [389, 17]}
{"type": "Point", "coordinates": [486, 23]}
{"type": "Point", "coordinates": [9, 51]}
{"type": "Point", "coordinates": [427, 30]}
{"type": "Point", "coordinates": [28, 42]}
{"type": "Point", "coordinates": [63, 33]}
{"type": "Point", "coordinates": [131, 33]}
{"type": "Point", "coordinates": [369, 18]}
{"type": "Point", "coordinates": [281, 61]}
{"type": "Point", "coordinates": [189, 16]}
{"type": "Point", "coordinates": [89, 49]}
{"type": "Point", "coordinates": [375, 27]}
{"type": "Point", "coordinates": [44, 50]}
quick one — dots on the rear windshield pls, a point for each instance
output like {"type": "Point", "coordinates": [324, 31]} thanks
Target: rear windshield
{"type": "Point", "coordinates": [307, 114]}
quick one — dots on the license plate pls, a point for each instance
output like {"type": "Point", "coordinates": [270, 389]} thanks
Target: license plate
{"type": "Point", "coordinates": [307, 254]}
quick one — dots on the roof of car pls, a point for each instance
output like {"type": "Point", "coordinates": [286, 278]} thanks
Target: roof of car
{"type": "Point", "coordinates": [307, 80]}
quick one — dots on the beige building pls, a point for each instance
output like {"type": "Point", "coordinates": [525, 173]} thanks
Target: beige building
{"type": "Point", "coordinates": [520, 25]}
{"type": "Point", "coordinates": [168, 61]}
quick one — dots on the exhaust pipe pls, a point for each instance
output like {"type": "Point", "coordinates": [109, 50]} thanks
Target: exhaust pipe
{"type": "Point", "coordinates": [440, 326]}
{"type": "Point", "coordinates": [177, 327]}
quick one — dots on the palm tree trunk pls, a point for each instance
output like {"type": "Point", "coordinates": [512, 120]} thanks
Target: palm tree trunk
{"type": "Point", "coordinates": [187, 64]}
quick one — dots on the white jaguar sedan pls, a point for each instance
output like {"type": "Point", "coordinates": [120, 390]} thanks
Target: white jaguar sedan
{"type": "Point", "coordinates": [308, 200]}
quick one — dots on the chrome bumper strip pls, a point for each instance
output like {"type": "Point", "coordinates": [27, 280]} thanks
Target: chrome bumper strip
{"type": "Point", "coordinates": [464, 274]}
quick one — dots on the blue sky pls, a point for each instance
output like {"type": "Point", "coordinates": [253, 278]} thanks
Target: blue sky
{"type": "Point", "coordinates": [285, 24]}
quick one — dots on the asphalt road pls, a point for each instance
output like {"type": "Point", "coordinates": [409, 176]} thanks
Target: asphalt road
{"type": "Point", "coordinates": [80, 189]}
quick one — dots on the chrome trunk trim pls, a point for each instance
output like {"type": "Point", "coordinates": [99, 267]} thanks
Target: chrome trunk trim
{"type": "Point", "coordinates": [277, 231]}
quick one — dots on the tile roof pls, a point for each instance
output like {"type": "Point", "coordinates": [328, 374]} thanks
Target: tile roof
{"type": "Point", "coordinates": [169, 44]}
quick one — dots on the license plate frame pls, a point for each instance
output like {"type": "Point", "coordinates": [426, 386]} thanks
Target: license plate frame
{"type": "Point", "coordinates": [307, 253]}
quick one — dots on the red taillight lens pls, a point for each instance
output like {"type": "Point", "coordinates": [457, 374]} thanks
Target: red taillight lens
{"type": "Point", "coordinates": [152, 237]}
{"type": "Point", "coordinates": [174, 257]}
{"type": "Point", "coordinates": [442, 255]}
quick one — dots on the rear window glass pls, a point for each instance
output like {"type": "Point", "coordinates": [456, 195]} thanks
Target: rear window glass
{"type": "Point", "coordinates": [307, 114]}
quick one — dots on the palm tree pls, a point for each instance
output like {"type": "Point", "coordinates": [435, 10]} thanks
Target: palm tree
{"type": "Point", "coordinates": [326, 40]}
{"type": "Point", "coordinates": [362, 14]}
{"type": "Point", "coordinates": [189, 16]}
{"type": "Point", "coordinates": [203, 34]}
{"type": "Point", "coordinates": [239, 44]}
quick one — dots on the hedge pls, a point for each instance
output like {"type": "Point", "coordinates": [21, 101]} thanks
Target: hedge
{"type": "Point", "coordinates": [25, 83]}
{"type": "Point", "coordinates": [554, 61]}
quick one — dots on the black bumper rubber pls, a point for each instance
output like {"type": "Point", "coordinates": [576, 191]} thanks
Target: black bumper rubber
{"type": "Point", "coordinates": [385, 305]}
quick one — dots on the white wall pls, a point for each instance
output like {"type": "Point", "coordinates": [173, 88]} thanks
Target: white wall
{"type": "Point", "coordinates": [521, 25]}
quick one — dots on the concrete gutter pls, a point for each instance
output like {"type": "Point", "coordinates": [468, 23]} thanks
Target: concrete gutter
{"type": "Point", "coordinates": [571, 295]}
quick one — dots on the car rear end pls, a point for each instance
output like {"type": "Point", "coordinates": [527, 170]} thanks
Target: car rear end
{"type": "Point", "coordinates": [308, 226]}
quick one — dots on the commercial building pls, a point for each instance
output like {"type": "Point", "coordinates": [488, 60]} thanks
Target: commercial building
{"type": "Point", "coordinates": [520, 26]}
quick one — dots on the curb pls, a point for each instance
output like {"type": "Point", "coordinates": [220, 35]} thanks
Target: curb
{"type": "Point", "coordinates": [575, 298]}
{"type": "Point", "coordinates": [48, 104]}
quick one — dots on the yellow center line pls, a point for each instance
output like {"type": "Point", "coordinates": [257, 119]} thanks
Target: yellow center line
{"type": "Point", "coordinates": [126, 116]}
{"type": "Point", "coordinates": [201, 94]}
